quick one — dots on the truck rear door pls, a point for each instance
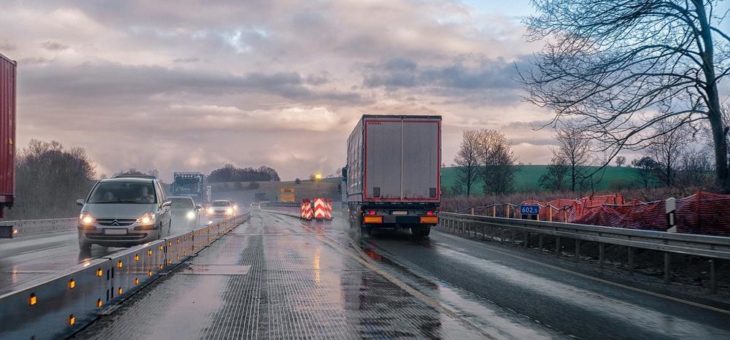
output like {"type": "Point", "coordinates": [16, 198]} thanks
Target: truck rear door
{"type": "Point", "coordinates": [402, 158]}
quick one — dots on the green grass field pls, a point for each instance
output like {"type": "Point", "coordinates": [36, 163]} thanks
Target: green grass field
{"type": "Point", "coordinates": [527, 178]}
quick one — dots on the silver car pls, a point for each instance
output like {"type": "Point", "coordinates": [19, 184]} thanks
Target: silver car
{"type": "Point", "coordinates": [221, 209]}
{"type": "Point", "coordinates": [185, 214]}
{"type": "Point", "coordinates": [124, 211]}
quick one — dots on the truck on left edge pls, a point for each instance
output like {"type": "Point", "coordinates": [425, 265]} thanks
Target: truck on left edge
{"type": "Point", "coordinates": [7, 132]}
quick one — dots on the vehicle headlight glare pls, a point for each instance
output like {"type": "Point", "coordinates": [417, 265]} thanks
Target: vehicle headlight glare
{"type": "Point", "coordinates": [146, 219]}
{"type": "Point", "coordinates": [229, 211]}
{"type": "Point", "coordinates": [210, 211]}
{"type": "Point", "coordinates": [86, 219]}
{"type": "Point", "coordinates": [190, 215]}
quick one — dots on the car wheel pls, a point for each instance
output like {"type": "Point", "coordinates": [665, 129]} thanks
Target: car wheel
{"type": "Point", "coordinates": [84, 247]}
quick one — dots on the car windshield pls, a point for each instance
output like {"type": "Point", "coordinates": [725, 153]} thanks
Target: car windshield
{"type": "Point", "coordinates": [221, 203]}
{"type": "Point", "coordinates": [182, 203]}
{"type": "Point", "coordinates": [136, 192]}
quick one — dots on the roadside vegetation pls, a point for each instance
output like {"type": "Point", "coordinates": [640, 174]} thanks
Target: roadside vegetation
{"type": "Point", "coordinates": [50, 178]}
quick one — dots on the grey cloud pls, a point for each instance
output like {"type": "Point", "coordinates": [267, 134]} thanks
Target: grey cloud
{"type": "Point", "coordinates": [54, 46]}
{"type": "Point", "coordinates": [317, 79]}
{"type": "Point", "coordinates": [146, 57]}
{"type": "Point", "coordinates": [6, 46]}
{"type": "Point", "coordinates": [115, 80]}
{"type": "Point", "coordinates": [38, 60]}
{"type": "Point", "coordinates": [398, 72]}
{"type": "Point", "coordinates": [186, 60]}
{"type": "Point", "coordinates": [534, 141]}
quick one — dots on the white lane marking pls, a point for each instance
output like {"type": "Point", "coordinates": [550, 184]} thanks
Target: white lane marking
{"type": "Point", "coordinates": [585, 276]}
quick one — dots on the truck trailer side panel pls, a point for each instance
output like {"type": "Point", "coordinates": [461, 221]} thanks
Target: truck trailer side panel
{"type": "Point", "coordinates": [354, 164]}
{"type": "Point", "coordinates": [7, 131]}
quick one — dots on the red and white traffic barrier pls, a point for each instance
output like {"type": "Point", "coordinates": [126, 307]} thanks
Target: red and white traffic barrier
{"type": "Point", "coordinates": [305, 210]}
{"type": "Point", "coordinates": [320, 209]}
{"type": "Point", "coordinates": [328, 210]}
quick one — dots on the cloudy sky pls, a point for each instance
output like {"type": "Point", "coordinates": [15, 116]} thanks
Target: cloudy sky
{"type": "Point", "coordinates": [197, 84]}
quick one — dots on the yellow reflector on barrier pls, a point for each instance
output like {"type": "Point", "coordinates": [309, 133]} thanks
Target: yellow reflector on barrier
{"type": "Point", "coordinates": [32, 299]}
{"type": "Point", "coordinates": [373, 219]}
{"type": "Point", "coordinates": [71, 284]}
{"type": "Point", "coordinates": [161, 247]}
{"type": "Point", "coordinates": [120, 291]}
{"type": "Point", "coordinates": [99, 272]}
{"type": "Point", "coordinates": [149, 252]}
{"type": "Point", "coordinates": [120, 264]}
{"type": "Point", "coordinates": [149, 273]}
{"type": "Point", "coordinates": [71, 320]}
{"type": "Point", "coordinates": [429, 220]}
{"type": "Point", "coordinates": [136, 281]}
{"type": "Point", "coordinates": [99, 303]}
{"type": "Point", "coordinates": [136, 257]}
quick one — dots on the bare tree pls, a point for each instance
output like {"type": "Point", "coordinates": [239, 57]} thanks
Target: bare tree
{"type": "Point", "coordinates": [647, 170]}
{"type": "Point", "coordinates": [554, 179]}
{"type": "Point", "coordinates": [468, 161]}
{"type": "Point", "coordinates": [618, 67]}
{"type": "Point", "coordinates": [620, 161]}
{"type": "Point", "coordinates": [497, 161]}
{"type": "Point", "coordinates": [666, 149]}
{"type": "Point", "coordinates": [574, 148]}
{"type": "Point", "coordinates": [694, 168]}
{"type": "Point", "coordinates": [49, 180]}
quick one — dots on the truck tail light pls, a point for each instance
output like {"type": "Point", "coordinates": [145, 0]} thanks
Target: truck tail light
{"type": "Point", "coordinates": [429, 220]}
{"type": "Point", "coordinates": [430, 213]}
{"type": "Point", "coordinates": [373, 219]}
{"type": "Point", "coordinates": [371, 212]}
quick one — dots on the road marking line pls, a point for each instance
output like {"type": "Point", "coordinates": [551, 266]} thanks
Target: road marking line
{"type": "Point", "coordinates": [585, 276]}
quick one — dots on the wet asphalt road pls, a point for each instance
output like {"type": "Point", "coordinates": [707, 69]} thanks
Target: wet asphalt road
{"type": "Point", "coordinates": [29, 259]}
{"type": "Point", "coordinates": [278, 277]}
{"type": "Point", "coordinates": [275, 278]}
{"type": "Point", "coordinates": [503, 289]}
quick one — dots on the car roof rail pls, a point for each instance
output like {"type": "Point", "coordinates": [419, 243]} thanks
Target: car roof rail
{"type": "Point", "coordinates": [135, 176]}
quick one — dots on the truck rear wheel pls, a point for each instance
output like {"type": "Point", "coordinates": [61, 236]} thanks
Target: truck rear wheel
{"type": "Point", "coordinates": [421, 231]}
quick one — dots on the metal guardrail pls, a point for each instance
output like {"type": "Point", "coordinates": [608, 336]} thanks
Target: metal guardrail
{"type": "Point", "coordinates": [60, 305]}
{"type": "Point", "coordinates": [518, 231]}
{"type": "Point", "coordinates": [21, 228]}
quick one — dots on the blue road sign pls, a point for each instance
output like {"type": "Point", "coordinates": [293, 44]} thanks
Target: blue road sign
{"type": "Point", "coordinates": [532, 209]}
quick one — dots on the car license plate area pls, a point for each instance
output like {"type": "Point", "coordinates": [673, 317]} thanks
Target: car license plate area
{"type": "Point", "coordinates": [400, 213]}
{"type": "Point", "coordinates": [115, 231]}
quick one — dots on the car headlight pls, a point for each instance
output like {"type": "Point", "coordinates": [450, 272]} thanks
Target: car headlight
{"type": "Point", "coordinates": [86, 220]}
{"type": "Point", "coordinates": [229, 211]}
{"type": "Point", "coordinates": [210, 211]}
{"type": "Point", "coordinates": [190, 215]}
{"type": "Point", "coordinates": [146, 219]}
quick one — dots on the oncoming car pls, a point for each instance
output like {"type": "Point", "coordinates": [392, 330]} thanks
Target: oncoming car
{"type": "Point", "coordinates": [220, 209]}
{"type": "Point", "coordinates": [122, 212]}
{"type": "Point", "coordinates": [185, 214]}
